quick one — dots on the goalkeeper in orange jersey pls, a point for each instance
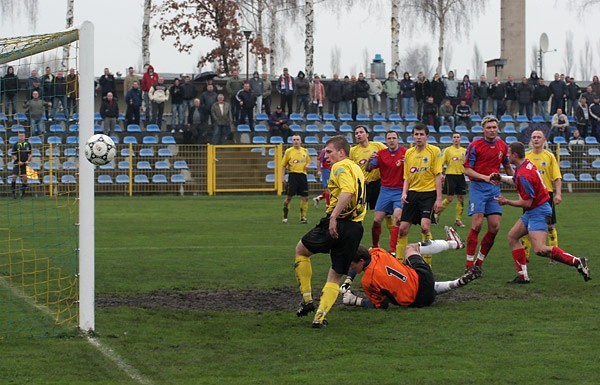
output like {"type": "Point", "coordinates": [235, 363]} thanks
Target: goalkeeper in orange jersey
{"type": "Point", "coordinates": [387, 280]}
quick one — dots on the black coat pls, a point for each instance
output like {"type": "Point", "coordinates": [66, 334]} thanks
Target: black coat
{"type": "Point", "coordinates": [335, 91]}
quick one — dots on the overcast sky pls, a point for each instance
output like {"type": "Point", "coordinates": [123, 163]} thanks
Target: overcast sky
{"type": "Point", "coordinates": [118, 24]}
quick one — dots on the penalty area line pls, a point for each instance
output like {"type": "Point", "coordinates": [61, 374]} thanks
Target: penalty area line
{"type": "Point", "coordinates": [206, 247]}
{"type": "Point", "coordinates": [107, 352]}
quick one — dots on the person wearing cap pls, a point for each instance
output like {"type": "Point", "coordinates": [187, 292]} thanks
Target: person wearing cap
{"type": "Point", "coordinates": [278, 124]}
{"type": "Point", "coordinates": [286, 86]}
{"type": "Point", "coordinates": [483, 159]}
{"type": "Point", "coordinates": [158, 95]}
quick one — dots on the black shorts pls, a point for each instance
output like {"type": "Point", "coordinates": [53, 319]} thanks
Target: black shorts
{"type": "Point", "coordinates": [341, 250]}
{"type": "Point", "coordinates": [297, 185]}
{"type": "Point", "coordinates": [419, 206]}
{"type": "Point", "coordinates": [426, 292]}
{"type": "Point", "coordinates": [20, 170]}
{"type": "Point", "coordinates": [373, 193]}
{"type": "Point", "coordinates": [455, 185]}
{"type": "Point", "coordinates": [551, 201]}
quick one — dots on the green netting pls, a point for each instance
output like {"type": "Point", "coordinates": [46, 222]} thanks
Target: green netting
{"type": "Point", "coordinates": [15, 48]}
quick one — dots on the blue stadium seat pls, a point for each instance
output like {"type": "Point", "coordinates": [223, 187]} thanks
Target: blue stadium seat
{"type": "Point", "coordinates": [591, 140]}
{"type": "Point", "coordinates": [177, 178]}
{"type": "Point", "coordinates": [74, 128]}
{"type": "Point", "coordinates": [47, 179]}
{"type": "Point", "coordinates": [121, 117]}
{"type": "Point", "coordinates": [159, 178]}
{"type": "Point", "coordinates": [379, 128]}
{"type": "Point", "coordinates": [122, 179]}
{"type": "Point", "coordinates": [445, 129]}
{"type": "Point", "coordinates": [69, 165]}
{"type": "Point", "coordinates": [329, 128]}
{"type": "Point", "coordinates": [57, 128]}
{"type": "Point", "coordinates": [261, 117]}
{"type": "Point", "coordinates": [108, 166]}
{"type": "Point", "coordinates": [379, 118]}
{"type": "Point", "coordinates": [445, 139]}
{"type": "Point", "coordinates": [523, 119]}
{"type": "Point", "coordinates": [311, 178]}
{"type": "Point", "coordinates": [75, 116]}
{"type": "Point", "coordinates": [346, 128]}
{"type": "Point", "coordinates": [69, 151]}
{"type": "Point", "coordinates": [395, 118]}
{"type": "Point", "coordinates": [261, 128]}
{"type": "Point", "coordinates": [559, 140]}
{"type": "Point", "coordinates": [507, 119]}
{"type": "Point", "coordinates": [97, 129]}
{"type": "Point", "coordinates": [585, 177]}
{"type": "Point", "coordinates": [54, 140]}
{"type": "Point", "coordinates": [594, 151]}
{"type": "Point", "coordinates": [464, 140]}
{"type": "Point", "coordinates": [276, 139]}
{"type": "Point", "coordinates": [123, 165]}
{"type": "Point", "coordinates": [409, 128]}
{"type": "Point", "coordinates": [118, 129]}
{"type": "Point", "coordinates": [168, 140]}
{"type": "Point", "coordinates": [71, 140]}
{"type": "Point", "coordinates": [259, 140]}
{"type": "Point", "coordinates": [35, 166]}
{"type": "Point", "coordinates": [509, 128]}
{"type": "Point", "coordinates": [461, 129]}
{"type": "Point", "coordinates": [569, 177]}
{"type": "Point", "coordinates": [312, 128]}
{"type": "Point", "coordinates": [396, 127]}
{"type": "Point", "coordinates": [325, 138]}
{"type": "Point", "coordinates": [362, 118]}
{"type": "Point", "coordinates": [34, 140]}
{"type": "Point", "coordinates": [432, 140]}
{"type": "Point", "coordinates": [149, 139]}
{"type": "Point", "coordinates": [152, 128]}
{"type": "Point", "coordinates": [243, 128]}
{"type": "Point", "coordinates": [511, 139]}
{"type": "Point", "coordinates": [162, 165]}
{"type": "Point", "coordinates": [379, 138]}
{"type": "Point", "coordinates": [598, 177]}
{"type": "Point", "coordinates": [180, 165]}
{"type": "Point", "coordinates": [475, 118]}
{"type": "Point", "coordinates": [565, 164]}
{"type": "Point", "coordinates": [20, 117]}
{"type": "Point", "coordinates": [270, 178]}
{"type": "Point", "coordinates": [125, 152]}
{"type": "Point", "coordinates": [312, 117]}
{"type": "Point", "coordinates": [129, 139]}
{"type": "Point", "coordinates": [537, 119]}
{"type": "Point", "coordinates": [312, 151]}
{"type": "Point", "coordinates": [164, 152]}
{"type": "Point", "coordinates": [140, 179]}
{"type": "Point", "coordinates": [271, 165]}
{"type": "Point", "coordinates": [60, 116]}
{"type": "Point", "coordinates": [346, 117]}
{"type": "Point", "coordinates": [311, 140]}
{"type": "Point", "coordinates": [147, 152]}
{"type": "Point", "coordinates": [296, 117]}
{"type": "Point", "coordinates": [104, 179]}
{"type": "Point", "coordinates": [296, 128]}
{"type": "Point", "coordinates": [68, 179]}
{"type": "Point", "coordinates": [329, 117]}
{"type": "Point", "coordinates": [411, 118]}
{"type": "Point", "coordinates": [143, 165]}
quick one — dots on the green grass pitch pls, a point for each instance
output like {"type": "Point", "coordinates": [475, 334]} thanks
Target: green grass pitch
{"type": "Point", "coordinates": [186, 249]}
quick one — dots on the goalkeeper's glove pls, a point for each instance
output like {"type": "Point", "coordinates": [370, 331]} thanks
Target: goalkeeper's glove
{"type": "Point", "coordinates": [345, 287]}
{"type": "Point", "coordinates": [350, 299]}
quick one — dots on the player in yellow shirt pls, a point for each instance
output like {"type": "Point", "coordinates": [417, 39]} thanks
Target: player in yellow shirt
{"type": "Point", "coordinates": [295, 161]}
{"type": "Point", "coordinates": [338, 233]}
{"type": "Point", "coordinates": [548, 168]}
{"type": "Point", "coordinates": [422, 193]}
{"type": "Point", "coordinates": [454, 182]}
{"type": "Point", "coordinates": [361, 154]}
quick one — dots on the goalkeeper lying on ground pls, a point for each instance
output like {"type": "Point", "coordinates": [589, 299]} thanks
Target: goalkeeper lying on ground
{"type": "Point", "coordinates": [387, 280]}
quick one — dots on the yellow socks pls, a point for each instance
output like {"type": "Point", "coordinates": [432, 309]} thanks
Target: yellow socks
{"type": "Point", "coordinates": [303, 209]}
{"type": "Point", "coordinates": [389, 223]}
{"type": "Point", "coordinates": [328, 297]}
{"type": "Point", "coordinates": [445, 203]}
{"type": "Point", "coordinates": [427, 236]}
{"type": "Point", "coordinates": [553, 237]}
{"type": "Point", "coordinates": [459, 210]}
{"type": "Point", "coordinates": [303, 270]}
{"type": "Point", "coordinates": [400, 247]}
{"type": "Point", "coordinates": [526, 242]}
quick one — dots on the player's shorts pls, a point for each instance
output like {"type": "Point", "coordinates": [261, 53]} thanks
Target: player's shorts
{"type": "Point", "coordinates": [419, 206]}
{"type": "Point", "coordinates": [426, 292]}
{"type": "Point", "coordinates": [373, 193]}
{"type": "Point", "coordinates": [455, 185]}
{"type": "Point", "coordinates": [551, 202]}
{"type": "Point", "coordinates": [297, 185]}
{"type": "Point", "coordinates": [20, 170]}
{"type": "Point", "coordinates": [342, 249]}
{"type": "Point", "coordinates": [389, 199]}
{"type": "Point", "coordinates": [537, 219]}
{"type": "Point", "coordinates": [481, 199]}
{"type": "Point", "coordinates": [325, 174]}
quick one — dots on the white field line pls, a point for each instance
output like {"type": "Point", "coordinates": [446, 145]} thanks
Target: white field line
{"type": "Point", "coordinates": [198, 247]}
{"type": "Point", "coordinates": [107, 352]}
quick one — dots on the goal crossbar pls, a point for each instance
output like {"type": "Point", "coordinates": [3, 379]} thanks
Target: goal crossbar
{"type": "Point", "coordinates": [15, 48]}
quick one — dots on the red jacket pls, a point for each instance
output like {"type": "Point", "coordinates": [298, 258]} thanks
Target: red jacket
{"type": "Point", "coordinates": [149, 80]}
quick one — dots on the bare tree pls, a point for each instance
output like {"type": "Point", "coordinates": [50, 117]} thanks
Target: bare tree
{"type": "Point", "coordinates": [585, 61]}
{"type": "Point", "coordinates": [534, 62]}
{"type": "Point", "coordinates": [10, 10]}
{"type": "Point", "coordinates": [146, 32]}
{"type": "Point", "coordinates": [442, 16]}
{"type": "Point", "coordinates": [416, 59]}
{"type": "Point", "coordinates": [335, 59]}
{"type": "Point", "coordinates": [569, 53]}
{"type": "Point", "coordinates": [395, 29]}
{"type": "Point", "coordinates": [67, 48]}
{"type": "Point", "coordinates": [309, 48]}
{"type": "Point", "coordinates": [477, 63]}
{"type": "Point", "coordinates": [447, 60]}
{"type": "Point", "coordinates": [366, 58]}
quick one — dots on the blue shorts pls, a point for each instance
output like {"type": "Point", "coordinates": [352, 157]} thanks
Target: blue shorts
{"type": "Point", "coordinates": [481, 199]}
{"type": "Point", "coordinates": [389, 199]}
{"type": "Point", "coordinates": [325, 173]}
{"type": "Point", "coordinates": [538, 218]}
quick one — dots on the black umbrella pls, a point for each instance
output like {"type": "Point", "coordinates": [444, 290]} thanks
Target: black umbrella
{"type": "Point", "coordinates": [204, 76]}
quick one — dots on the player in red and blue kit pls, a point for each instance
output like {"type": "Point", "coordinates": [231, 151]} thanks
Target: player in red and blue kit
{"type": "Point", "coordinates": [323, 171]}
{"type": "Point", "coordinates": [534, 200]}
{"type": "Point", "coordinates": [483, 159]}
{"type": "Point", "coordinates": [390, 162]}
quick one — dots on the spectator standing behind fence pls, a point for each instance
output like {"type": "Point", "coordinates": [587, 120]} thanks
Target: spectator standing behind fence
{"type": "Point", "coordinates": [451, 88]}
{"type": "Point", "coordinates": [177, 108]}
{"type": "Point", "coordinates": [560, 125]}
{"type": "Point", "coordinates": [207, 99]}
{"type": "Point", "coordinates": [286, 88]}
{"type": "Point", "coordinates": [525, 97]}
{"type": "Point", "coordinates": [10, 89]}
{"type": "Point", "coordinates": [573, 94]}
{"type": "Point", "coordinates": [317, 96]}
{"type": "Point", "coordinates": [582, 117]}
{"type": "Point", "coordinates": [221, 118]}
{"type": "Point", "coordinates": [512, 106]}
{"type": "Point", "coordinates": [422, 91]}
{"type": "Point", "coordinates": [466, 91]}
{"type": "Point", "coordinates": [347, 95]}
{"type": "Point", "coordinates": [233, 86]}
{"type": "Point", "coordinates": [72, 93]}
{"type": "Point", "coordinates": [149, 79]}
{"type": "Point", "coordinates": [133, 100]}
{"type": "Point", "coordinates": [128, 81]}
{"type": "Point", "coordinates": [107, 83]}
{"type": "Point", "coordinates": [267, 90]}
{"type": "Point", "coordinates": [60, 93]}
{"type": "Point", "coordinates": [438, 90]}
{"type": "Point", "coordinates": [334, 95]}
{"type": "Point", "coordinates": [594, 113]}
{"type": "Point", "coordinates": [558, 88]}
{"type": "Point", "coordinates": [247, 102]}
{"type": "Point", "coordinates": [407, 87]}
{"type": "Point", "coordinates": [541, 95]}
{"type": "Point", "coordinates": [391, 89]}
{"type": "Point", "coordinates": [159, 94]}
{"type": "Point", "coordinates": [430, 113]}
{"type": "Point", "coordinates": [595, 84]}
{"type": "Point", "coordinates": [109, 110]}
{"type": "Point", "coordinates": [482, 91]}
{"type": "Point", "coordinates": [375, 90]}
{"type": "Point", "coordinates": [48, 90]}
{"type": "Point", "coordinates": [588, 95]}
{"type": "Point", "coordinates": [497, 92]}
{"type": "Point", "coordinates": [278, 124]}
{"type": "Point", "coordinates": [189, 93]}
{"type": "Point", "coordinates": [446, 114]}
{"type": "Point", "coordinates": [35, 109]}
{"type": "Point", "coordinates": [361, 92]}
{"type": "Point", "coordinates": [30, 80]}
{"type": "Point", "coordinates": [302, 91]}
{"type": "Point", "coordinates": [194, 127]}
{"type": "Point", "coordinates": [256, 86]}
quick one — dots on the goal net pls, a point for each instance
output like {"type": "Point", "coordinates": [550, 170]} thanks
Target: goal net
{"type": "Point", "coordinates": [43, 84]}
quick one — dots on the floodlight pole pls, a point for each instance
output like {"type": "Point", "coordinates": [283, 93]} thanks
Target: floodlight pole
{"type": "Point", "coordinates": [247, 33]}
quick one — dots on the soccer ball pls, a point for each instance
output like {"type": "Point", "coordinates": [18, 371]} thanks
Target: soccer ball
{"type": "Point", "coordinates": [100, 149]}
